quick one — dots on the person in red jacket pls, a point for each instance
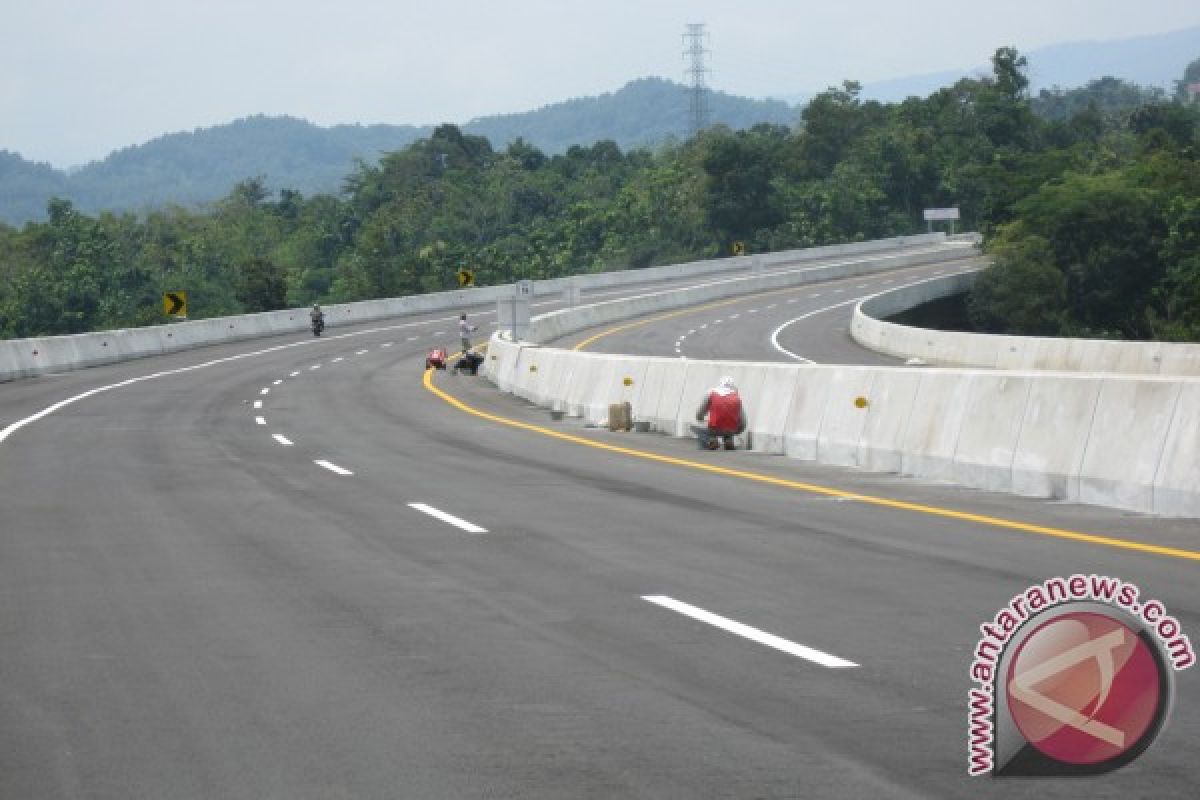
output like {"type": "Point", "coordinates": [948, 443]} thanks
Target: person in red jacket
{"type": "Point", "coordinates": [726, 415]}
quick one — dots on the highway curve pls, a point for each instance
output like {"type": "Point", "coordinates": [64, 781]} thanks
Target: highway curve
{"type": "Point", "coordinates": [303, 574]}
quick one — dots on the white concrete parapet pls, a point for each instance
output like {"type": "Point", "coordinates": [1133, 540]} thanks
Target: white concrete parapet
{"type": "Point", "coordinates": [994, 351]}
{"type": "Point", "coordinates": [20, 358]}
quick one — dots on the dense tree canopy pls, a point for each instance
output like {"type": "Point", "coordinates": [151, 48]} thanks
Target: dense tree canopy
{"type": "Point", "coordinates": [1092, 214]}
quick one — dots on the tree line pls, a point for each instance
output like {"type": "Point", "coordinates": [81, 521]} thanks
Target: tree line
{"type": "Point", "coordinates": [1093, 216]}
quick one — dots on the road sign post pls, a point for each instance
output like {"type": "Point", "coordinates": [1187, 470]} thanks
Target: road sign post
{"type": "Point", "coordinates": [175, 304]}
{"type": "Point", "coordinates": [933, 215]}
{"type": "Point", "coordinates": [513, 312]}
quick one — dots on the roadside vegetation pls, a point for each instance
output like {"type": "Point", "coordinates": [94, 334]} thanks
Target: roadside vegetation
{"type": "Point", "coordinates": [1091, 209]}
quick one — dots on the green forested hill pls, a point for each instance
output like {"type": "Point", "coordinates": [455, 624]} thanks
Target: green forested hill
{"type": "Point", "coordinates": [191, 169]}
{"type": "Point", "coordinates": [1093, 218]}
{"type": "Point", "coordinates": [645, 112]}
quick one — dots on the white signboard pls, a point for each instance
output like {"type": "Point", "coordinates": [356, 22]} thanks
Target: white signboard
{"type": "Point", "coordinates": [524, 289]}
{"type": "Point", "coordinates": [934, 214]}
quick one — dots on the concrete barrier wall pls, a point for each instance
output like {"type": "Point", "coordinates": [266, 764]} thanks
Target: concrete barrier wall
{"type": "Point", "coordinates": [20, 358]}
{"type": "Point", "coordinates": [952, 348]}
{"type": "Point", "coordinates": [1115, 440]}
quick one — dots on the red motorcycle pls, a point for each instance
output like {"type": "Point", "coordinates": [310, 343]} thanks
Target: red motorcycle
{"type": "Point", "coordinates": [436, 359]}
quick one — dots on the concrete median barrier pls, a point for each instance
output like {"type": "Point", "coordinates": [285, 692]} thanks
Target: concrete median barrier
{"type": "Point", "coordinates": [1175, 484]}
{"type": "Point", "coordinates": [806, 411]}
{"type": "Point", "coordinates": [893, 394]}
{"type": "Point", "coordinates": [1119, 470]}
{"type": "Point", "coordinates": [845, 417]}
{"type": "Point", "coordinates": [1059, 412]}
{"type": "Point", "coordinates": [1122, 441]}
{"type": "Point", "coordinates": [993, 407]}
{"type": "Point", "coordinates": [931, 437]}
{"type": "Point", "coordinates": [771, 408]}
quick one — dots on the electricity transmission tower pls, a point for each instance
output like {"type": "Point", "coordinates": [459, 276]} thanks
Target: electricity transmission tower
{"type": "Point", "coordinates": [696, 73]}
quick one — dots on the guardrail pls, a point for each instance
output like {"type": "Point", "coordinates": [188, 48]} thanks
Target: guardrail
{"type": "Point", "coordinates": [1114, 440]}
{"type": "Point", "coordinates": [994, 351]}
{"type": "Point", "coordinates": [20, 358]}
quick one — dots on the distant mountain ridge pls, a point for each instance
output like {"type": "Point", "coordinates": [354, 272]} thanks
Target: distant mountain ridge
{"type": "Point", "coordinates": [202, 166]}
{"type": "Point", "coordinates": [1154, 61]}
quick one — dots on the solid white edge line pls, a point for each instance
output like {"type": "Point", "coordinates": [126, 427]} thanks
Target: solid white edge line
{"type": "Point", "coordinates": [260, 420]}
{"type": "Point", "coordinates": [754, 634]}
{"type": "Point", "coordinates": [469, 527]}
{"type": "Point", "coordinates": [283, 440]}
{"type": "Point", "coordinates": [332, 467]}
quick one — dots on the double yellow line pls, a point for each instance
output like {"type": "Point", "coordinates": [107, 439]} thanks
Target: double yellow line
{"type": "Point", "coordinates": [917, 508]}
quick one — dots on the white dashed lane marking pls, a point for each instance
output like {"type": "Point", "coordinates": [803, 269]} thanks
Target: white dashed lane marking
{"type": "Point", "coordinates": [260, 420]}
{"type": "Point", "coordinates": [315, 366]}
{"type": "Point", "coordinates": [469, 527]}
{"type": "Point", "coordinates": [362, 352]}
{"type": "Point", "coordinates": [332, 467]}
{"type": "Point", "coordinates": [265, 390]}
{"type": "Point", "coordinates": [294, 374]}
{"type": "Point", "coordinates": [283, 440]}
{"type": "Point", "coordinates": [753, 634]}
{"type": "Point", "coordinates": [258, 403]}
{"type": "Point", "coordinates": [336, 360]}
{"type": "Point", "coordinates": [276, 383]}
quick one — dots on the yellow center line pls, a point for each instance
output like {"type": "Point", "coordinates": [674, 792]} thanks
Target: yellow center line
{"type": "Point", "coordinates": [812, 488]}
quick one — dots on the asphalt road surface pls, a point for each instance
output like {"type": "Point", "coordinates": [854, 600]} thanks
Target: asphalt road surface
{"type": "Point", "coordinates": [296, 572]}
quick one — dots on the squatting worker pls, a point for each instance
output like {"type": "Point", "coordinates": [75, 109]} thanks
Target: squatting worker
{"type": "Point", "coordinates": [726, 415]}
{"type": "Point", "coordinates": [464, 331]}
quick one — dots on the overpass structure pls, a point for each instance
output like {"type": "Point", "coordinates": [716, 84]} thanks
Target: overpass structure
{"type": "Point", "coordinates": [305, 568]}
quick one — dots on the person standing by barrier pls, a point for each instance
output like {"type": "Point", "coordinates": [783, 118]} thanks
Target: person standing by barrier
{"type": "Point", "coordinates": [464, 331]}
{"type": "Point", "coordinates": [726, 415]}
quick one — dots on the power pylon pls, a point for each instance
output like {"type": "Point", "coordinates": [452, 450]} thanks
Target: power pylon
{"type": "Point", "coordinates": [696, 74]}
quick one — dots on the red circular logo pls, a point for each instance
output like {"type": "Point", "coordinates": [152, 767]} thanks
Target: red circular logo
{"type": "Point", "coordinates": [1084, 688]}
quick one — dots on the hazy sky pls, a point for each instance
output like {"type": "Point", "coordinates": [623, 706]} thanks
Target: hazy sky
{"type": "Point", "coordinates": [79, 79]}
